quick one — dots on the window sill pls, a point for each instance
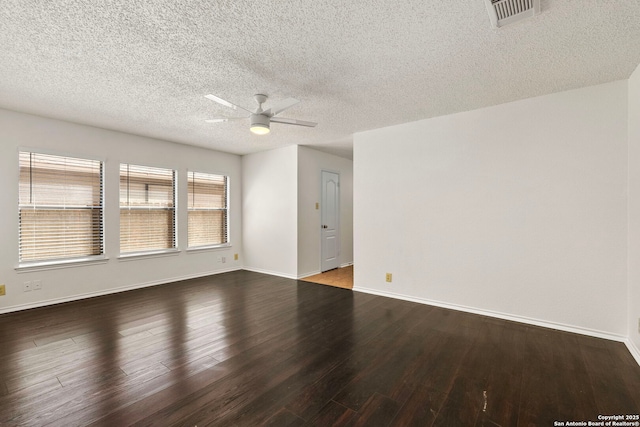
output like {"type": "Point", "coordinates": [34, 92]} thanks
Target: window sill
{"type": "Point", "coordinates": [208, 248]}
{"type": "Point", "coordinates": [54, 265]}
{"type": "Point", "coordinates": [150, 254]}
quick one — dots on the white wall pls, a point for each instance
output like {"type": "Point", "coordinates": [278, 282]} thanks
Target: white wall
{"type": "Point", "coordinates": [270, 203]}
{"type": "Point", "coordinates": [634, 212]}
{"type": "Point", "coordinates": [25, 131]}
{"type": "Point", "coordinates": [517, 210]}
{"type": "Point", "coordinates": [310, 165]}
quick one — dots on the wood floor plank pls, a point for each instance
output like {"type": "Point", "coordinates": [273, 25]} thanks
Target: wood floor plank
{"type": "Point", "coordinates": [335, 415]}
{"type": "Point", "coordinates": [463, 405]}
{"type": "Point", "coordinates": [378, 411]}
{"type": "Point", "coordinates": [497, 363]}
{"type": "Point", "coordinates": [277, 390]}
{"type": "Point", "coordinates": [248, 349]}
{"type": "Point", "coordinates": [342, 343]}
{"type": "Point", "coordinates": [225, 402]}
{"type": "Point", "coordinates": [284, 418]}
{"type": "Point", "coordinates": [384, 370]}
{"type": "Point", "coordinates": [232, 376]}
{"type": "Point", "coordinates": [420, 408]}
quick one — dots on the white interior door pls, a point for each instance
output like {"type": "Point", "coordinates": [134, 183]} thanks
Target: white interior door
{"type": "Point", "coordinates": [330, 221]}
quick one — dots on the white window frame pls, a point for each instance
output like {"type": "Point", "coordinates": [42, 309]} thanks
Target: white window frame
{"type": "Point", "coordinates": [62, 262]}
{"type": "Point", "coordinates": [173, 249]}
{"type": "Point", "coordinates": [191, 174]}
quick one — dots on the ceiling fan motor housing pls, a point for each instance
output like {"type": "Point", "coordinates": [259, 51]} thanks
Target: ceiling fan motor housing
{"type": "Point", "coordinates": [260, 120]}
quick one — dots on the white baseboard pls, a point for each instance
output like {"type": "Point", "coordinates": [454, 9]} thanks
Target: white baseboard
{"type": "Point", "coordinates": [309, 274]}
{"type": "Point", "coordinates": [635, 352]}
{"type": "Point", "coordinates": [112, 291]}
{"type": "Point", "coordinates": [499, 315]}
{"type": "Point", "coordinates": [313, 273]}
{"type": "Point", "coordinates": [272, 273]}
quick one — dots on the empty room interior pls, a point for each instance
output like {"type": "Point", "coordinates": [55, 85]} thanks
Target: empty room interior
{"type": "Point", "coordinates": [177, 179]}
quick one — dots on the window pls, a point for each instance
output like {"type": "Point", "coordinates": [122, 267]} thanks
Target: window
{"type": "Point", "coordinates": [60, 207]}
{"type": "Point", "coordinates": [147, 209]}
{"type": "Point", "coordinates": [207, 198]}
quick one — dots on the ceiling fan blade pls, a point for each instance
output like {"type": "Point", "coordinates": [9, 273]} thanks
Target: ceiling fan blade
{"type": "Point", "coordinates": [224, 119]}
{"type": "Point", "coordinates": [292, 122]}
{"type": "Point", "coordinates": [280, 106]}
{"type": "Point", "coordinates": [226, 103]}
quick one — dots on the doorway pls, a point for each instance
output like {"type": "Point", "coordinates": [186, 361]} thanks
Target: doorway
{"type": "Point", "coordinates": [330, 221]}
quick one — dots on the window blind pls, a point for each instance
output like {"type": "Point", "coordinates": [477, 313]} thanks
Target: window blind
{"type": "Point", "coordinates": [60, 207]}
{"type": "Point", "coordinates": [147, 208]}
{"type": "Point", "coordinates": [207, 211]}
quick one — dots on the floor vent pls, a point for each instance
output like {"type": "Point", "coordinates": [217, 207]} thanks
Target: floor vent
{"type": "Point", "coordinates": [505, 12]}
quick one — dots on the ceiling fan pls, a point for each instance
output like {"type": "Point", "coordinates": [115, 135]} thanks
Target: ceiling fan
{"type": "Point", "coordinates": [261, 119]}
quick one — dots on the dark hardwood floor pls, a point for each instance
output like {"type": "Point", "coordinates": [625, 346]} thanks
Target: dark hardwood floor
{"type": "Point", "coordinates": [247, 349]}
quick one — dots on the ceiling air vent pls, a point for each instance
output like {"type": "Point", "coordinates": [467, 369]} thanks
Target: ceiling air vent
{"type": "Point", "coordinates": [505, 12]}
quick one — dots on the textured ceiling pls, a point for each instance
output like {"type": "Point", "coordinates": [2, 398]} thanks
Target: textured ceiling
{"type": "Point", "coordinates": [144, 67]}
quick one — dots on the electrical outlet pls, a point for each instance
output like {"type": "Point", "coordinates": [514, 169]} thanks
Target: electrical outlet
{"type": "Point", "coordinates": [219, 259]}
{"type": "Point", "coordinates": [235, 257]}
{"type": "Point", "coordinates": [27, 286]}
{"type": "Point", "coordinates": [37, 285]}
{"type": "Point", "coordinates": [224, 259]}
{"type": "Point", "coordinates": [389, 277]}
{"type": "Point", "coordinates": [317, 205]}
{"type": "Point", "coordinates": [3, 291]}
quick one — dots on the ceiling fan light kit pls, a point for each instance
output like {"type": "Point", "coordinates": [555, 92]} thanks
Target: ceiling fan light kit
{"type": "Point", "coordinates": [260, 124]}
{"type": "Point", "coordinates": [261, 119]}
